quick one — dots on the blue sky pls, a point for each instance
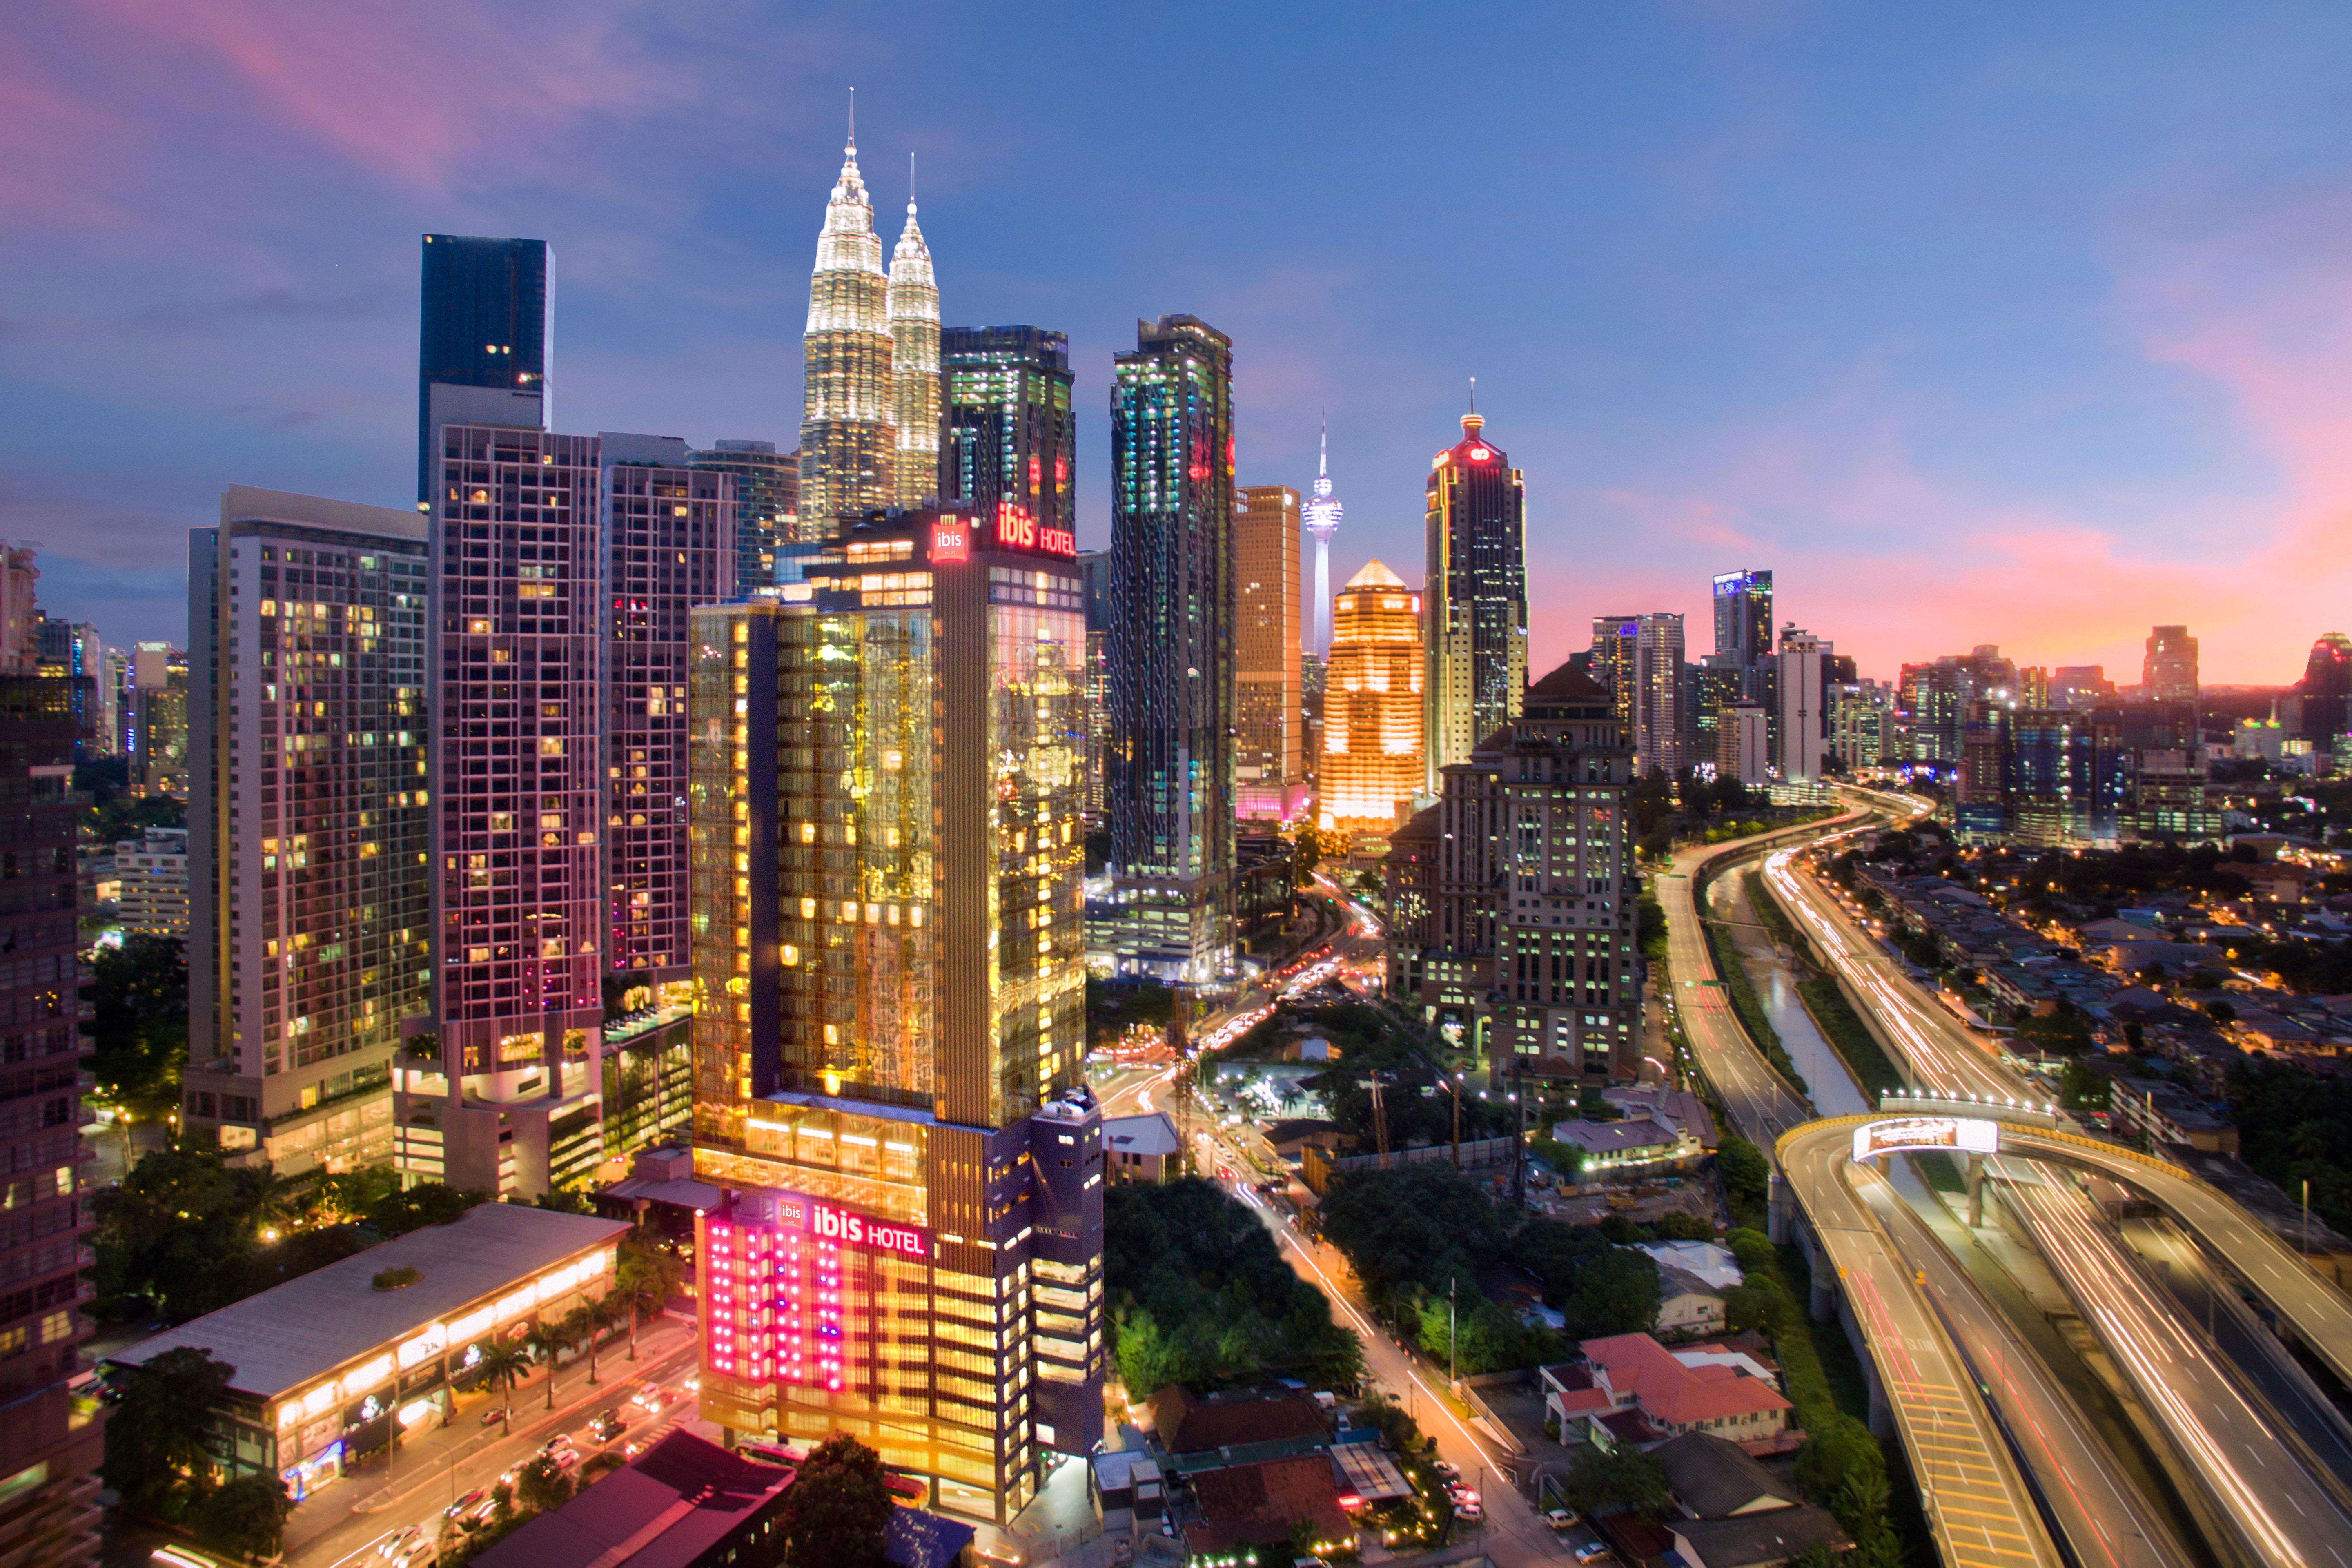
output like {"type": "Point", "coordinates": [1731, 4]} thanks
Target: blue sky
{"type": "Point", "coordinates": [1998, 323]}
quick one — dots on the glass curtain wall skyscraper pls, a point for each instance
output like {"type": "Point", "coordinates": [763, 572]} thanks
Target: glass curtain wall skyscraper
{"type": "Point", "coordinates": [1476, 595]}
{"type": "Point", "coordinates": [309, 921]}
{"type": "Point", "coordinates": [486, 338]}
{"type": "Point", "coordinates": [1012, 437]}
{"type": "Point", "coordinates": [1172, 652]}
{"type": "Point", "coordinates": [767, 504]}
{"type": "Point", "coordinates": [889, 1021]}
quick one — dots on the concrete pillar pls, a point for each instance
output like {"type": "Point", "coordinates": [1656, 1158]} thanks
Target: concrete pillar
{"type": "Point", "coordinates": [1776, 1220]}
{"type": "Point", "coordinates": [1976, 1191]}
{"type": "Point", "coordinates": [1825, 1295]}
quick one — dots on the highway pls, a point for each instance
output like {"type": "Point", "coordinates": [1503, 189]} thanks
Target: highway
{"type": "Point", "coordinates": [1763, 1105]}
{"type": "Point", "coordinates": [1978, 1505]}
{"type": "Point", "coordinates": [2282, 1516]}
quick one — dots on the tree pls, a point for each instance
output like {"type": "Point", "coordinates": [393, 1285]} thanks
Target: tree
{"type": "Point", "coordinates": [502, 1366]}
{"type": "Point", "coordinates": [588, 1322]}
{"type": "Point", "coordinates": [245, 1516]}
{"type": "Point", "coordinates": [1746, 1178]}
{"type": "Point", "coordinates": [139, 1023]}
{"type": "Point", "coordinates": [838, 1509]}
{"type": "Point", "coordinates": [155, 1455]}
{"type": "Point", "coordinates": [546, 1341]}
{"type": "Point", "coordinates": [647, 1279]}
{"type": "Point", "coordinates": [541, 1485]}
{"type": "Point", "coordinates": [1621, 1480]}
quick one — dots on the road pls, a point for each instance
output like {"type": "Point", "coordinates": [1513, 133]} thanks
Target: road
{"type": "Point", "coordinates": [2281, 1514]}
{"type": "Point", "coordinates": [1763, 1105]}
{"type": "Point", "coordinates": [2099, 1511]}
{"type": "Point", "coordinates": [1978, 1505]}
{"type": "Point", "coordinates": [334, 1537]}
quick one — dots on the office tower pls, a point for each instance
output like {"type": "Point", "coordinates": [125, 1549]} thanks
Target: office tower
{"type": "Point", "coordinates": [52, 1441]}
{"type": "Point", "coordinates": [1172, 652]}
{"type": "Point", "coordinates": [1372, 706]}
{"type": "Point", "coordinates": [20, 614]}
{"type": "Point", "coordinates": [71, 650]}
{"type": "Point", "coordinates": [1012, 438]}
{"type": "Point", "coordinates": [309, 933]}
{"type": "Point", "coordinates": [1524, 946]}
{"type": "Point", "coordinates": [913, 302]}
{"type": "Point", "coordinates": [2080, 686]}
{"type": "Point", "coordinates": [1321, 518]}
{"type": "Point", "coordinates": [1713, 685]}
{"type": "Point", "coordinates": [1094, 571]}
{"type": "Point", "coordinates": [1862, 724]}
{"type": "Point", "coordinates": [159, 691]}
{"type": "Point", "coordinates": [1477, 598]}
{"type": "Point", "coordinates": [1659, 717]}
{"type": "Point", "coordinates": [2168, 671]}
{"type": "Point", "coordinates": [1743, 620]}
{"type": "Point", "coordinates": [1614, 662]}
{"type": "Point", "coordinates": [487, 336]}
{"type": "Point", "coordinates": [767, 505]}
{"type": "Point", "coordinates": [1935, 697]}
{"type": "Point", "coordinates": [849, 434]}
{"type": "Point", "coordinates": [669, 539]}
{"type": "Point", "coordinates": [1805, 705]}
{"type": "Point", "coordinates": [2325, 693]}
{"type": "Point", "coordinates": [504, 1097]}
{"type": "Point", "coordinates": [1743, 745]}
{"type": "Point", "coordinates": [1269, 763]}
{"type": "Point", "coordinates": [889, 966]}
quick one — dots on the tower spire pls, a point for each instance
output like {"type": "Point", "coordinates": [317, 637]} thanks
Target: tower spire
{"type": "Point", "coordinates": [1323, 457]}
{"type": "Point", "coordinates": [852, 148]}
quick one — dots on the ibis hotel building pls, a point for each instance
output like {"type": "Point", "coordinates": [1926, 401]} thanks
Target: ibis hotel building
{"type": "Point", "coordinates": [886, 781]}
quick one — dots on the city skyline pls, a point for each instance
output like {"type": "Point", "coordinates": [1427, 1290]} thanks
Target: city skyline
{"type": "Point", "coordinates": [2172, 449]}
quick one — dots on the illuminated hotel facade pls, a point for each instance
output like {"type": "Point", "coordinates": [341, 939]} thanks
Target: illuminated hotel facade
{"type": "Point", "coordinates": [886, 781]}
{"type": "Point", "coordinates": [1478, 595]}
{"type": "Point", "coordinates": [1371, 704]}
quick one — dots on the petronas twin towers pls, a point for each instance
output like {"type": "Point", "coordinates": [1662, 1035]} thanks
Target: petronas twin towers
{"type": "Point", "coordinates": [870, 424]}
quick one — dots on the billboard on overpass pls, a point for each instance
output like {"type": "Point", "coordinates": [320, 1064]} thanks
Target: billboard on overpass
{"type": "Point", "coordinates": [1904, 1133]}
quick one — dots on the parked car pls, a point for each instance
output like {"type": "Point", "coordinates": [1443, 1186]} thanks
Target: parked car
{"type": "Point", "coordinates": [1562, 1519]}
{"type": "Point", "coordinates": [1451, 1472]}
{"type": "Point", "coordinates": [1592, 1552]}
{"type": "Point", "coordinates": [1470, 1512]}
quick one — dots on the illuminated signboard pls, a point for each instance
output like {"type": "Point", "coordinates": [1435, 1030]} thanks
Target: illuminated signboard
{"type": "Point", "coordinates": [1017, 530]}
{"type": "Point", "coordinates": [951, 539]}
{"type": "Point", "coordinates": [1969, 1134]}
{"type": "Point", "coordinates": [784, 1291]}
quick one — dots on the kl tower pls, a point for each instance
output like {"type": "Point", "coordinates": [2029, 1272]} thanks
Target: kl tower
{"type": "Point", "coordinates": [1320, 517]}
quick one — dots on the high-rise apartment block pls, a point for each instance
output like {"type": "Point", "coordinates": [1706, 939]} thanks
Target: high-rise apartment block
{"type": "Point", "coordinates": [1476, 595]}
{"type": "Point", "coordinates": [1269, 761]}
{"type": "Point", "coordinates": [1524, 947]}
{"type": "Point", "coordinates": [767, 505]}
{"type": "Point", "coordinates": [1743, 743]}
{"type": "Point", "coordinates": [849, 434]}
{"type": "Point", "coordinates": [889, 966]}
{"type": "Point", "coordinates": [51, 1442]}
{"type": "Point", "coordinates": [1862, 724]}
{"type": "Point", "coordinates": [2168, 671]}
{"type": "Point", "coordinates": [1171, 652]}
{"type": "Point", "coordinates": [1372, 706]}
{"type": "Point", "coordinates": [157, 730]}
{"type": "Point", "coordinates": [668, 544]}
{"type": "Point", "coordinates": [1615, 663]}
{"type": "Point", "coordinates": [486, 339]}
{"type": "Point", "coordinates": [503, 1097]}
{"type": "Point", "coordinates": [71, 650]}
{"type": "Point", "coordinates": [1805, 705]}
{"type": "Point", "coordinates": [151, 874]}
{"type": "Point", "coordinates": [1094, 571]}
{"type": "Point", "coordinates": [1660, 718]}
{"type": "Point", "coordinates": [914, 308]}
{"type": "Point", "coordinates": [1012, 438]}
{"type": "Point", "coordinates": [1712, 686]}
{"type": "Point", "coordinates": [309, 927]}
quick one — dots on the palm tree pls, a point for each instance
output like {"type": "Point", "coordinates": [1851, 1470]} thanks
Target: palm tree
{"type": "Point", "coordinates": [587, 1322]}
{"type": "Point", "coordinates": [648, 1279]}
{"type": "Point", "coordinates": [546, 1341]}
{"type": "Point", "coordinates": [503, 1365]}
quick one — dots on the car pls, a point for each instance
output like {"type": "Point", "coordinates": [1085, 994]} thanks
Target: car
{"type": "Point", "coordinates": [479, 1514]}
{"type": "Point", "coordinates": [693, 1385]}
{"type": "Point", "coordinates": [1562, 1519]}
{"type": "Point", "coordinates": [1469, 1513]}
{"type": "Point", "coordinates": [607, 1425]}
{"type": "Point", "coordinates": [400, 1540]}
{"type": "Point", "coordinates": [469, 1500]}
{"type": "Point", "coordinates": [561, 1440]}
{"type": "Point", "coordinates": [1450, 1471]}
{"type": "Point", "coordinates": [494, 1415]}
{"type": "Point", "coordinates": [565, 1459]}
{"type": "Point", "coordinates": [1591, 1551]}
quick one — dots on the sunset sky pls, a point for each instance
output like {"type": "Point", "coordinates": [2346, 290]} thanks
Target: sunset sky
{"type": "Point", "coordinates": [2019, 324]}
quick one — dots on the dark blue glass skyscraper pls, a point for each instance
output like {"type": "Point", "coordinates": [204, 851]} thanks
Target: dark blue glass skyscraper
{"type": "Point", "coordinates": [486, 337]}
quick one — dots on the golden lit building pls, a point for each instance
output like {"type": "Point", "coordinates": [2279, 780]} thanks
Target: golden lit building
{"type": "Point", "coordinates": [1371, 704]}
{"type": "Point", "coordinates": [887, 771]}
